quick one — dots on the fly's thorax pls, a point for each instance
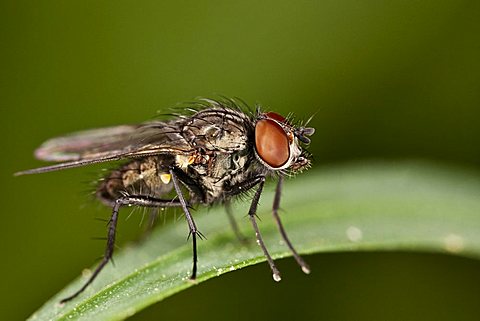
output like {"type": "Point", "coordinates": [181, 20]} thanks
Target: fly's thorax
{"type": "Point", "coordinates": [216, 170]}
{"type": "Point", "coordinates": [222, 130]}
{"type": "Point", "coordinates": [229, 165]}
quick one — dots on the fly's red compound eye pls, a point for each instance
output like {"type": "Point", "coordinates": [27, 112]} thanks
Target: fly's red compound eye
{"type": "Point", "coordinates": [271, 142]}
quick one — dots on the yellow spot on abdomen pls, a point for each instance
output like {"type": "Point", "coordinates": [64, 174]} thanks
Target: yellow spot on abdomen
{"type": "Point", "coordinates": [165, 178]}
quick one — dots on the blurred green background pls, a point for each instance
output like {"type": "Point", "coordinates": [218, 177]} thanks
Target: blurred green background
{"type": "Point", "coordinates": [388, 80]}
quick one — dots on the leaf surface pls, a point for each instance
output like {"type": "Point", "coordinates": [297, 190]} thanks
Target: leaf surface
{"type": "Point", "coordinates": [355, 207]}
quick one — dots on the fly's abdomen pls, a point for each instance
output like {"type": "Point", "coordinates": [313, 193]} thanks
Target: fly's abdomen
{"type": "Point", "coordinates": [139, 177]}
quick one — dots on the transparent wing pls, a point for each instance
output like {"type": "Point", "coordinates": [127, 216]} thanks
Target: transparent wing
{"type": "Point", "coordinates": [108, 144]}
{"type": "Point", "coordinates": [86, 144]}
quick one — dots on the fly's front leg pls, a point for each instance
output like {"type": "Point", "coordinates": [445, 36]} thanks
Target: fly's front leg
{"type": "Point", "coordinates": [139, 200]}
{"type": "Point", "coordinates": [245, 186]}
{"type": "Point", "coordinates": [276, 206]}
{"type": "Point", "coordinates": [191, 223]}
{"type": "Point", "coordinates": [252, 214]}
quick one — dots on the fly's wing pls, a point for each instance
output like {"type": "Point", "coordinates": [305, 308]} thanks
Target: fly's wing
{"type": "Point", "coordinates": [108, 144]}
{"type": "Point", "coordinates": [86, 144]}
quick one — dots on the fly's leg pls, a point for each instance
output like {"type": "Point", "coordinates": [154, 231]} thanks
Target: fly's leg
{"type": "Point", "coordinates": [276, 206]}
{"type": "Point", "coordinates": [191, 223]}
{"type": "Point", "coordinates": [233, 223]}
{"type": "Point", "coordinates": [112, 228]}
{"type": "Point", "coordinates": [252, 214]}
{"type": "Point", "coordinates": [245, 186]}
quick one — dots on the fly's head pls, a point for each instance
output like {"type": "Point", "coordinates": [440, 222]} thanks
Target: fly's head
{"type": "Point", "coordinates": [278, 143]}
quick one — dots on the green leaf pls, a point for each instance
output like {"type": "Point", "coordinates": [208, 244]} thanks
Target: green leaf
{"type": "Point", "coordinates": [373, 207]}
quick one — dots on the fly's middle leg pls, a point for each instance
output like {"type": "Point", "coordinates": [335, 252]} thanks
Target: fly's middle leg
{"type": "Point", "coordinates": [233, 223]}
{"type": "Point", "coordinates": [194, 232]}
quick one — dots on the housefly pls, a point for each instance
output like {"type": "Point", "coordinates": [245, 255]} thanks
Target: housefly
{"type": "Point", "coordinates": [215, 152]}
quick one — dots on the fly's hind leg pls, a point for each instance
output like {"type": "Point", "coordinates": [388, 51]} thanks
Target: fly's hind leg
{"type": "Point", "coordinates": [138, 200]}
